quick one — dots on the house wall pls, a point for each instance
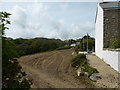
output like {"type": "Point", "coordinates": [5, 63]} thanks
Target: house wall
{"type": "Point", "coordinates": [119, 62]}
{"type": "Point", "coordinates": [99, 32]}
{"type": "Point", "coordinates": [111, 30]}
{"type": "Point", "coordinates": [110, 57]}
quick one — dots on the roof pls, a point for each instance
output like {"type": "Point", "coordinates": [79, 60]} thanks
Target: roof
{"type": "Point", "coordinates": [110, 5]}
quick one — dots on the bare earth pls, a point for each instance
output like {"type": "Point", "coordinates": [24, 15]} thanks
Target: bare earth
{"type": "Point", "coordinates": [108, 74]}
{"type": "Point", "coordinates": [52, 70]}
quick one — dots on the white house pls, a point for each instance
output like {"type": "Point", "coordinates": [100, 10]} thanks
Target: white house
{"type": "Point", "coordinates": [73, 45]}
{"type": "Point", "coordinates": [107, 30]}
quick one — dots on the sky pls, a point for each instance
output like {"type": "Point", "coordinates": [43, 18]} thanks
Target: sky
{"type": "Point", "coordinates": [60, 20]}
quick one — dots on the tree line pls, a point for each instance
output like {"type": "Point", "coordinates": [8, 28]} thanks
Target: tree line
{"type": "Point", "coordinates": [31, 46]}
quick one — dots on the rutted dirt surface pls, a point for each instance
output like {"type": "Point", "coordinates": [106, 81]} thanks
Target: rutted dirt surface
{"type": "Point", "coordinates": [52, 70]}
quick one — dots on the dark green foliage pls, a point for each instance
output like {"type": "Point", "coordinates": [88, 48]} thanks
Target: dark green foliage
{"type": "Point", "coordinates": [79, 60]}
{"type": "Point", "coordinates": [115, 44]}
{"type": "Point", "coordinates": [64, 47]}
{"type": "Point", "coordinates": [106, 46]}
{"type": "Point", "coordinates": [30, 46]}
{"type": "Point", "coordinates": [91, 44]}
{"type": "Point", "coordinates": [90, 70]}
{"type": "Point", "coordinates": [10, 69]}
{"type": "Point", "coordinates": [4, 16]}
{"type": "Point", "coordinates": [8, 49]}
{"type": "Point", "coordinates": [71, 41]}
{"type": "Point", "coordinates": [24, 84]}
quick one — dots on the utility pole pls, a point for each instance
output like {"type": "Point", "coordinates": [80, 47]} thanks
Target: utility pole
{"type": "Point", "coordinates": [87, 42]}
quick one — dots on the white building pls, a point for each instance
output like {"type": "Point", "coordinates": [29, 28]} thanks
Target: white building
{"type": "Point", "coordinates": [102, 35]}
{"type": "Point", "coordinates": [73, 45]}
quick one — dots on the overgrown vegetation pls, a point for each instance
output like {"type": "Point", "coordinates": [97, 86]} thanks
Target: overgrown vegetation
{"type": "Point", "coordinates": [12, 76]}
{"type": "Point", "coordinates": [30, 46]}
{"type": "Point", "coordinates": [115, 44]}
{"type": "Point", "coordinates": [64, 47]}
{"type": "Point", "coordinates": [80, 61]}
{"type": "Point", "coordinates": [90, 70]}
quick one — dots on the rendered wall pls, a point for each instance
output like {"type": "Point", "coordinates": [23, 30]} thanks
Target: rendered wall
{"type": "Point", "coordinates": [111, 57]}
{"type": "Point", "coordinates": [119, 62]}
{"type": "Point", "coordinates": [99, 32]}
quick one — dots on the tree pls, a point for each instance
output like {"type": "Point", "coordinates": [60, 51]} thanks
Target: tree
{"type": "Point", "coordinates": [4, 21]}
{"type": "Point", "coordinates": [11, 70]}
{"type": "Point", "coordinates": [91, 44]}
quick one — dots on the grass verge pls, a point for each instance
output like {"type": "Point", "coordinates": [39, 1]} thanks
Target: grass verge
{"type": "Point", "coordinates": [65, 47]}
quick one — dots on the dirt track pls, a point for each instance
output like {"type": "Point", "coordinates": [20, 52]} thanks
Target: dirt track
{"type": "Point", "coordinates": [108, 74]}
{"type": "Point", "coordinates": [52, 70]}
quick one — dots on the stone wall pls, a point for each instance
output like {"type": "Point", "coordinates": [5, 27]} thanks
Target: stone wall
{"type": "Point", "coordinates": [111, 26]}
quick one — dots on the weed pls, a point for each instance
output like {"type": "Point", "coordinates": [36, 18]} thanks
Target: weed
{"type": "Point", "coordinates": [90, 70]}
{"type": "Point", "coordinates": [79, 60]}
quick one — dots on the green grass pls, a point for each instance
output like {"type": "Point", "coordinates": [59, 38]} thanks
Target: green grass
{"type": "Point", "coordinates": [65, 47]}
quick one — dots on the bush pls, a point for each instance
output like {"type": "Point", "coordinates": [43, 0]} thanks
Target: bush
{"type": "Point", "coordinates": [90, 70]}
{"type": "Point", "coordinates": [79, 60]}
{"type": "Point", "coordinates": [115, 44]}
{"type": "Point", "coordinates": [64, 47]}
{"type": "Point", "coordinates": [83, 56]}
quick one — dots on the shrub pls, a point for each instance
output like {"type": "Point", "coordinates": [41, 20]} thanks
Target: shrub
{"type": "Point", "coordinates": [90, 70]}
{"type": "Point", "coordinates": [79, 60]}
{"type": "Point", "coordinates": [115, 44]}
{"type": "Point", "coordinates": [24, 84]}
{"type": "Point", "coordinates": [83, 56]}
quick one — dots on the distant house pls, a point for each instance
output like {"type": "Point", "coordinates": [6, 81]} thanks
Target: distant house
{"type": "Point", "coordinates": [76, 42]}
{"type": "Point", "coordinates": [107, 31]}
{"type": "Point", "coordinates": [73, 45]}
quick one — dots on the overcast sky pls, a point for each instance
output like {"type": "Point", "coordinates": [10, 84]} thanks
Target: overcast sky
{"type": "Point", "coordinates": [51, 19]}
